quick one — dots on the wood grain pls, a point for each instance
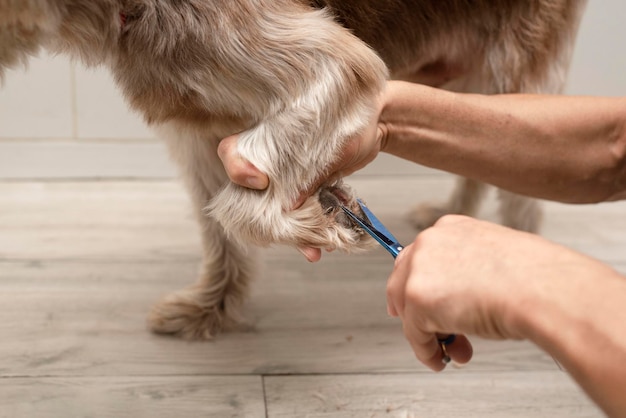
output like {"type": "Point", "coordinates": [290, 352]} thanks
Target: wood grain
{"type": "Point", "coordinates": [445, 395]}
{"type": "Point", "coordinates": [88, 318]}
{"type": "Point", "coordinates": [137, 397]}
{"type": "Point", "coordinates": [81, 262]}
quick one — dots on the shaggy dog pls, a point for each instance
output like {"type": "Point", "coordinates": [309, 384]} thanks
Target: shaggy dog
{"type": "Point", "coordinates": [297, 78]}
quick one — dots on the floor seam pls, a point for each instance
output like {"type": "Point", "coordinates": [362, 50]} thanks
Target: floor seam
{"type": "Point", "coordinates": [264, 395]}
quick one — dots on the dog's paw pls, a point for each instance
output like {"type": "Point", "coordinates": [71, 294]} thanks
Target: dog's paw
{"type": "Point", "coordinates": [321, 222]}
{"type": "Point", "coordinates": [425, 215]}
{"type": "Point", "coordinates": [257, 218]}
{"type": "Point", "coordinates": [331, 198]}
{"type": "Point", "coordinates": [187, 314]}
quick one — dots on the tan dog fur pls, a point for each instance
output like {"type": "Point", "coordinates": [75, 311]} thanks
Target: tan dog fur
{"type": "Point", "coordinates": [297, 78]}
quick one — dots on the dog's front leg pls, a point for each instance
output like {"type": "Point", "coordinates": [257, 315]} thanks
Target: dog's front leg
{"type": "Point", "coordinates": [212, 304]}
{"type": "Point", "coordinates": [299, 82]}
{"type": "Point", "coordinates": [325, 91]}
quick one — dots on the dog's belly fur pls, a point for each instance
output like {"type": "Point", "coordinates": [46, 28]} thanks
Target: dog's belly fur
{"type": "Point", "coordinates": [436, 41]}
{"type": "Point", "coordinates": [298, 84]}
{"type": "Point", "coordinates": [411, 35]}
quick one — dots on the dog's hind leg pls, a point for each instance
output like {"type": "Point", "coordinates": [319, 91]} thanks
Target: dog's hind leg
{"type": "Point", "coordinates": [465, 200]}
{"type": "Point", "coordinates": [531, 55]}
{"type": "Point", "coordinates": [213, 303]}
{"type": "Point", "coordinates": [519, 212]}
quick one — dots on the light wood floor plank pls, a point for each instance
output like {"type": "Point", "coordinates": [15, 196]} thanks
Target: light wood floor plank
{"type": "Point", "coordinates": [137, 397]}
{"type": "Point", "coordinates": [82, 262]}
{"type": "Point", "coordinates": [62, 318]}
{"type": "Point", "coordinates": [137, 221]}
{"type": "Point", "coordinates": [444, 395]}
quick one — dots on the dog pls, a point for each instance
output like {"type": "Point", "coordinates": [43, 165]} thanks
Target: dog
{"type": "Point", "coordinates": [296, 78]}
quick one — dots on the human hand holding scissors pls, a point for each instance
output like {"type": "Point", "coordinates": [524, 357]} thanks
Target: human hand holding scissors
{"type": "Point", "coordinates": [374, 227]}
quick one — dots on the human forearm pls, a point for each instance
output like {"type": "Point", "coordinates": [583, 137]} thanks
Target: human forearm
{"type": "Point", "coordinates": [554, 147]}
{"type": "Point", "coordinates": [575, 312]}
{"type": "Point", "coordinates": [474, 278]}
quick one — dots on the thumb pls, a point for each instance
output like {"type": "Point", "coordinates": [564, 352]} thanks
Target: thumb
{"type": "Point", "coordinates": [239, 170]}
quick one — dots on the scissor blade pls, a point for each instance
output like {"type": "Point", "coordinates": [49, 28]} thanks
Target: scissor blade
{"type": "Point", "coordinates": [366, 225]}
{"type": "Point", "coordinates": [390, 245]}
{"type": "Point", "coordinates": [376, 223]}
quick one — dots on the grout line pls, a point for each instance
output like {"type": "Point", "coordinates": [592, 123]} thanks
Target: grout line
{"type": "Point", "coordinates": [96, 260]}
{"type": "Point", "coordinates": [73, 100]}
{"type": "Point", "coordinates": [91, 179]}
{"type": "Point", "coordinates": [536, 369]}
{"type": "Point", "coordinates": [83, 141]}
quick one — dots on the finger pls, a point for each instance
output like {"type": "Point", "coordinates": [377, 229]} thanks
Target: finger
{"type": "Point", "coordinates": [460, 351]}
{"type": "Point", "coordinates": [238, 169]}
{"type": "Point", "coordinates": [311, 254]}
{"type": "Point", "coordinates": [337, 169]}
{"type": "Point", "coordinates": [425, 346]}
{"type": "Point", "coordinates": [396, 284]}
{"type": "Point", "coordinates": [352, 158]}
{"type": "Point", "coordinates": [453, 219]}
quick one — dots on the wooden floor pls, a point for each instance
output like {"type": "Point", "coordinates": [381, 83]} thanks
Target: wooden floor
{"type": "Point", "coordinates": [83, 259]}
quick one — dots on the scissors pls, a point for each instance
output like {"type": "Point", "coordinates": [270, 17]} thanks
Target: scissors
{"type": "Point", "coordinates": [373, 226]}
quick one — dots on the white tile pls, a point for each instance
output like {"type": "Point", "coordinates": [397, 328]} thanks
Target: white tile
{"type": "Point", "coordinates": [101, 110]}
{"type": "Point", "coordinates": [599, 62]}
{"type": "Point", "coordinates": [34, 159]}
{"type": "Point", "coordinates": [36, 103]}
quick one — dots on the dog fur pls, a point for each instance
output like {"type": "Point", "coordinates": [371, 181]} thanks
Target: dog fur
{"type": "Point", "coordinates": [297, 78]}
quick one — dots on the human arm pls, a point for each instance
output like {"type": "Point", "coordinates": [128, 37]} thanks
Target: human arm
{"type": "Point", "coordinates": [471, 277]}
{"type": "Point", "coordinates": [357, 152]}
{"type": "Point", "coordinates": [562, 148]}
{"type": "Point", "coordinates": [569, 149]}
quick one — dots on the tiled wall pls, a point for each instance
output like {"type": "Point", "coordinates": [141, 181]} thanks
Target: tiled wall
{"type": "Point", "coordinates": [59, 100]}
